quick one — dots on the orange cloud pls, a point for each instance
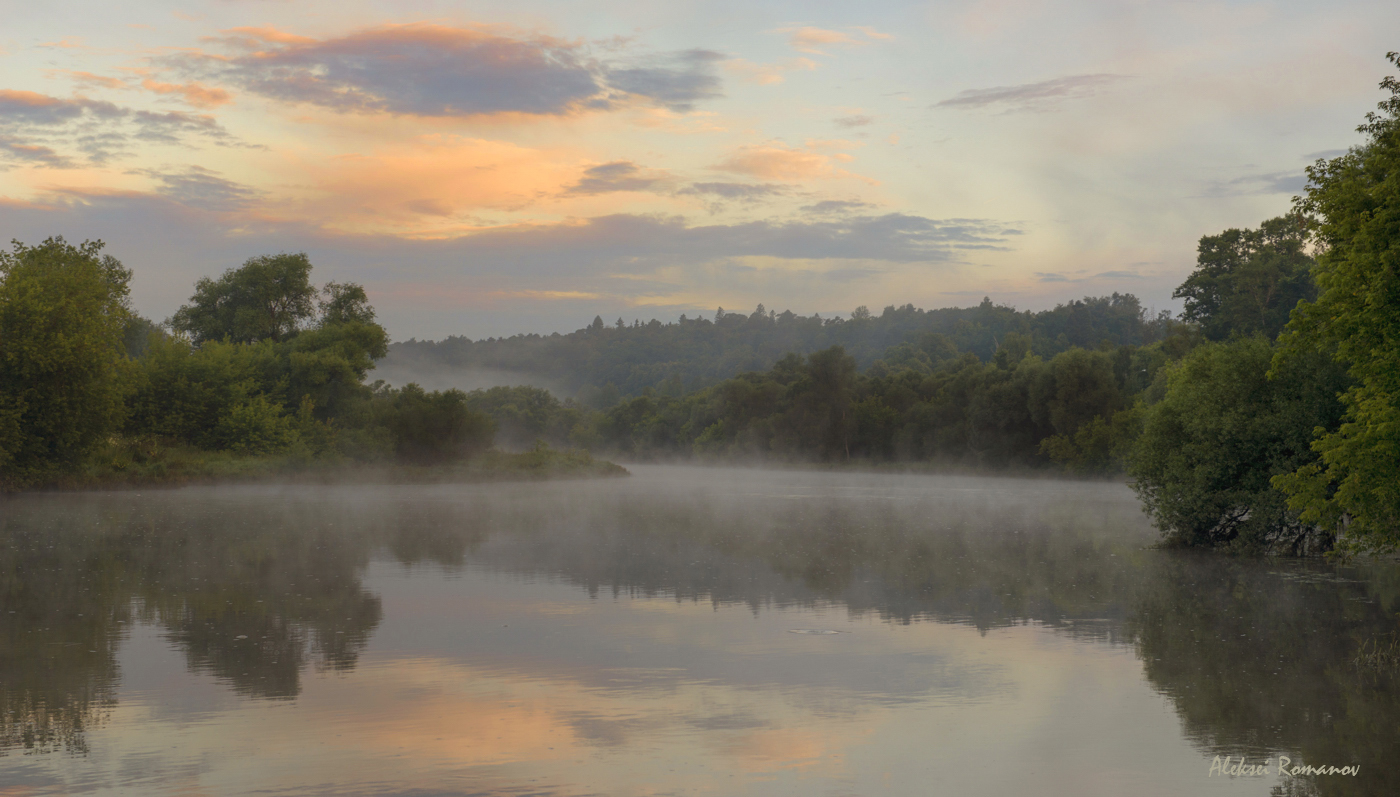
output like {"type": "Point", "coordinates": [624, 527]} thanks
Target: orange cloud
{"type": "Point", "coordinates": [199, 96]}
{"type": "Point", "coordinates": [811, 40]}
{"type": "Point", "coordinates": [266, 34]}
{"type": "Point", "coordinates": [767, 74]}
{"type": "Point", "coordinates": [413, 188]}
{"type": "Point", "coordinates": [69, 43]}
{"type": "Point", "coordinates": [88, 79]}
{"type": "Point", "coordinates": [872, 33]}
{"type": "Point", "coordinates": [440, 71]}
{"type": "Point", "coordinates": [778, 161]}
{"type": "Point", "coordinates": [29, 99]}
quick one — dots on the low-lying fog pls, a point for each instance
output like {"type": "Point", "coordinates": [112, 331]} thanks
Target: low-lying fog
{"type": "Point", "coordinates": [723, 631]}
{"type": "Point", "coordinates": [398, 371]}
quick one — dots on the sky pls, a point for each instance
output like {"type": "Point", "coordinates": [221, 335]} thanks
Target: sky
{"type": "Point", "coordinates": [493, 168]}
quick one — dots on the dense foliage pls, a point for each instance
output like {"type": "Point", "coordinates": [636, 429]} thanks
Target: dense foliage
{"type": "Point", "coordinates": [63, 320]}
{"type": "Point", "coordinates": [1249, 280]}
{"type": "Point", "coordinates": [601, 363]}
{"type": "Point", "coordinates": [261, 363]}
{"type": "Point", "coordinates": [1355, 202]}
{"type": "Point", "coordinates": [1208, 450]}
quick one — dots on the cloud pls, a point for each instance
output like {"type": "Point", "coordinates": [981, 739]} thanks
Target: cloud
{"type": "Point", "coordinates": [1326, 154]}
{"type": "Point", "coordinates": [440, 71]}
{"type": "Point", "coordinates": [1042, 276]}
{"type": "Point", "coordinates": [1292, 183]}
{"type": "Point", "coordinates": [675, 81]}
{"type": "Point", "coordinates": [853, 121]}
{"type": "Point", "coordinates": [33, 153]}
{"type": "Point", "coordinates": [199, 96]}
{"type": "Point", "coordinates": [89, 80]}
{"type": "Point", "coordinates": [201, 188]}
{"type": "Point", "coordinates": [873, 34]}
{"type": "Point", "coordinates": [767, 74]}
{"type": "Point", "coordinates": [101, 130]}
{"type": "Point", "coordinates": [629, 242]}
{"type": "Point", "coordinates": [26, 108]}
{"type": "Point", "coordinates": [637, 259]}
{"type": "Point", "coordinates": [778, 161]}
{"type": "Point", "coordinates": [615, 176]}
{"type": "Point", "coordinates": [835, 206]}
{"type": "Point", "coordinates": [742, 191]}
{"type": "Point", "coordinates": [1033, 96]}
{"type": "Point", "coordinates": [812, 40]}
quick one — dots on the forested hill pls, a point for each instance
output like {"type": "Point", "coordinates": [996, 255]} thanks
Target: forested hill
{"type": "Point", "coordinates": [693, 353]}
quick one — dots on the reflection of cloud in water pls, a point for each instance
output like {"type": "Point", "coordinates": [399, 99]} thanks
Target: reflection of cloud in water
{"type": "Point", "coordinates": [636, 636]}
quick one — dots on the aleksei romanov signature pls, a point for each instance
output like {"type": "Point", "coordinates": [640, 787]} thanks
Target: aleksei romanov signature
{"type": "Point", "coordinates": [1286, 768]}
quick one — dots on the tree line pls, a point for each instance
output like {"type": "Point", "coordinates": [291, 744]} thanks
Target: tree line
{"type": "Point", "coordinates": [603, 363]}
{"type": "Point", "coordinates": [259, 363]}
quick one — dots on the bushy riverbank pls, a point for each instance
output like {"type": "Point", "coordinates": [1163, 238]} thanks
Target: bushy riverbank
{"type": "Point", "coordinates": [135, 464]}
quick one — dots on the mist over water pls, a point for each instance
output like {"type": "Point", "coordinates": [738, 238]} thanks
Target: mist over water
{"type": "Point", "coordinates": [400, 371]}
{"type": "Point", "coordinates": [686, 630]}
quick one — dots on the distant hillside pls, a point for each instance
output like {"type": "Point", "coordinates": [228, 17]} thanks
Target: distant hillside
{"type": "Point", "coordinates": [602, 363]}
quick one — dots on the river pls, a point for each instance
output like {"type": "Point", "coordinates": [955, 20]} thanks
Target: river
{"type": "Point", "coordinates": [681, 631]}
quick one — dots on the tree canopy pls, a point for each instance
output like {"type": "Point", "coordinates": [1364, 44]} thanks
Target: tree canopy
{"type": "Point", "coordinates": [270, 297]}
{"type": "Point", "coordinates": [1354, 202]}
{"type": "Point", "coordinates": [1248, 281]}
{"type": "Point", "coordinates": [63, 321]}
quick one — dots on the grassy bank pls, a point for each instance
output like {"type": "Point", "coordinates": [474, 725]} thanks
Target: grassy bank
{"type": "Point", "coordinates": [128, 464]}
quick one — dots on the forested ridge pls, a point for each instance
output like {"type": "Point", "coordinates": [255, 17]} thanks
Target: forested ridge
{"type": "Point", "coordinates": [602, 362]}
{"type": "Point", "coordinates": [1266, 417]}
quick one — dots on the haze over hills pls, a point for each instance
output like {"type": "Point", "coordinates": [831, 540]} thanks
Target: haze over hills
{"type": "Point", "coordinates": [604, 362]}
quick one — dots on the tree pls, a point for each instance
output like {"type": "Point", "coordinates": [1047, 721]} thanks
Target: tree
{"type": "Point", "coordinates": [1209, 448]}
{"type": "Point", "coordinates": [1354, 201]}
{"type": "Point", "coordinates": [1248, 281]}
{"type": "Point", "coordinates": [269, 297]}
{"type": "Point", "coordinates": [436, 427]}
{"type": "Point", "coordinates": [345, 303]}
{"type": "Point", "coordinates": [63, 320]}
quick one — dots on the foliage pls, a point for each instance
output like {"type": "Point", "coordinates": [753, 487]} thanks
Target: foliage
{"type": "Point", "coordinates": [1209, 448]}
{"type": "Point", "coordinates": [63, 323]}
{"type": "Point", "coordinates": [1355, 202]}
{"type": "Point", "coordinates": [269, 298]}
{"type": "Point", "coordinates": [431, 428]}
{"type": "Point", "coordinates": [1248, 281]}
{"type": "Point", "coordinates": [526, 414]}
{"type": "Point", "coordinates": [625, 360]}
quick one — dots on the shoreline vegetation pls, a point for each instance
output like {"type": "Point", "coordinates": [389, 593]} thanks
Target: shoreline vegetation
{"type": "Point", "coordinates": [123, 466]}
{"type": "Point", "coordinates": [1264, 419]}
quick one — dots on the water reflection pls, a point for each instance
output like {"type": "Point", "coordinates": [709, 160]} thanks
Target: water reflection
{"type": "Point", "coordinates": [263, 588]}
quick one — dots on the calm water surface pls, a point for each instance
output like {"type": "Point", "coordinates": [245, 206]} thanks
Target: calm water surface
{"type": "Point", "coordinates": [682, 631]}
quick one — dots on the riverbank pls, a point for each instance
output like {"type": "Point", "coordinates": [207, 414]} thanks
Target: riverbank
{"type": "Point", "coordinates": [132, 466]}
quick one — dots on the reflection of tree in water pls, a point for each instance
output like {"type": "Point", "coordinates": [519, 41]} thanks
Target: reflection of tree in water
{"type": "Point", "coordinates": [248, 597]}
{"type": "Point", "coordinates": [61, 619]}
{"type": "Point", "coordinates": [1257, 658]}
{"type": "Point", "coordinates": [987, 565]}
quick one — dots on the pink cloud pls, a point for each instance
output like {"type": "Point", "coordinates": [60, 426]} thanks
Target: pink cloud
{"type": "Point", "coordinates": [195, 94]}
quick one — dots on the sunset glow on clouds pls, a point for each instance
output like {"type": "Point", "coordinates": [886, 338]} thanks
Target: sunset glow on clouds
{"type": "Point", "coordinates": [522, 167]}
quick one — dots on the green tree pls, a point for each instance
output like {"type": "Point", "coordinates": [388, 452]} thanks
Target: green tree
{"type": "Point", "coordinates": [1248, 281]}
{"type": "Point", "coordinates": [436, 427]}
{"type": "Point", "coordinates": [63, 320]}
{"type": "Point", "coordinates": [1209, 448]}
{"type": "Point", "coordinates": [1355, 201]}
{"type": "Point", "coordinates": [269, 298]}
